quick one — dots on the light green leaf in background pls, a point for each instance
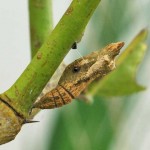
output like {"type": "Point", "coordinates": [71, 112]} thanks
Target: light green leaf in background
{"type": "Point", "coordinates": [122, 81]}
{"type": "Point", "coordinates": [83, 127]}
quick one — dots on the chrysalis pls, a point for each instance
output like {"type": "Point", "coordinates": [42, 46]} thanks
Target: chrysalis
{"type": "Point", "coordinates": [78, 75]}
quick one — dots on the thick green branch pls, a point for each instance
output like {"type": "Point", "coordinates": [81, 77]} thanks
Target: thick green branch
{"type": "Point", "coordinates": [26, 89]}
{"type": "Point", "coordinates": [40, 13]}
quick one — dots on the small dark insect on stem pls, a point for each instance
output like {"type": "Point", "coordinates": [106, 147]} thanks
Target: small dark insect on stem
{"type": "Point", "coordinates": [74, 45]}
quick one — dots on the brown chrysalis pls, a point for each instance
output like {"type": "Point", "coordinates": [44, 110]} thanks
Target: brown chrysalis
{"type": "Point", "coordinates": [78, 75]}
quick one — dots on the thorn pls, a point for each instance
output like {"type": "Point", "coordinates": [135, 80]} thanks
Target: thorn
{"type": "Point", "coordinates": [30, 121]}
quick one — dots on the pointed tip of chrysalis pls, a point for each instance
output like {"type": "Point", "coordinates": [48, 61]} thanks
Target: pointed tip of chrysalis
{"type": "Point", "coordinates": [120, 45]}
{"type": "Point", "coordinates": [114, 48]}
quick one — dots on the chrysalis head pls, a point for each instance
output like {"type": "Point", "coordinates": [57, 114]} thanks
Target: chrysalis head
{"type": "Point", "coordinates": [93, 65]}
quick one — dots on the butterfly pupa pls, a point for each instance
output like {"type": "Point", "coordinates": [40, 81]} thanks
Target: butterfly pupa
{"type": "Point", "coordinates": [79, 74]}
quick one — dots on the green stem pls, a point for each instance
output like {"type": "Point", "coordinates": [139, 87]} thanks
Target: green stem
{"type": "Point", "coordinates": [70, 28]}
{"type": "Point", "coordinates": [40, 13]}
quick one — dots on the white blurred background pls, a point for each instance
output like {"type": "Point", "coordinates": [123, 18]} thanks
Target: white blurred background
{"type": "Point", "coordinates": [134, 131]}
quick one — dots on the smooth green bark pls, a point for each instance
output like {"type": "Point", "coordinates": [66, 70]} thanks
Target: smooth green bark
{"type": "Point", "coordinates": [40, 14]}
{"type": "Point", "coordinates": [70, 28]}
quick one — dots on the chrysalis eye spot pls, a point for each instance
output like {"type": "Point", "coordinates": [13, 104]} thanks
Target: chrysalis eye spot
{"type": "Point", "coordinates": [76, 69]}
